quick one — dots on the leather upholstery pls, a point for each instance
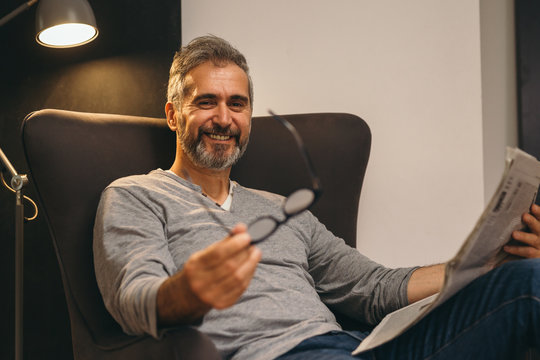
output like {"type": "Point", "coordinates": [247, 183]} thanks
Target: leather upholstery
{"type": "Point", "coordinates": [73, 156]}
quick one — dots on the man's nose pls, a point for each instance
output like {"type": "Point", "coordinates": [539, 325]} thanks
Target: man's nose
{"type": "Point", "coordinates": [223, 115]}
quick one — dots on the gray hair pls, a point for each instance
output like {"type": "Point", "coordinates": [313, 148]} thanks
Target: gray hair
{"type": "Point", "coordinates": [197, 52]}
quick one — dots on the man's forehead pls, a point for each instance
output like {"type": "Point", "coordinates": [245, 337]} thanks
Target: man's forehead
{"type": "Point", "coordinates": [208, 78]}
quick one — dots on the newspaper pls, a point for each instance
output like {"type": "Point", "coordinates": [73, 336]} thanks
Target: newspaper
{"type": "Point", "coordinates": [481, 251]}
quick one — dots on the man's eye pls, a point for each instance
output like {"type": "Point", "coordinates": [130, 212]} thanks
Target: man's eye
{"type": "Point", "coordinates": [205, 104]}
{"type": "Point", "coordinates": [237, 105]}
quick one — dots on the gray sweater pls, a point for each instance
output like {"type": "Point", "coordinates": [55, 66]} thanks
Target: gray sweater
{"type": "Point", "coordinates": [148, 225]}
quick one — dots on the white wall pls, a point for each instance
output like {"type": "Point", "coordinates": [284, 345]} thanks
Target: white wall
{"type": "Point", "coordinates": [411, 69]}
{"type": "Point", "coordinates": [499, 99]}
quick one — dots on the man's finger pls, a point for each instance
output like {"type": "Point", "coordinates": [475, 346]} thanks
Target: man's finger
{"type": "Point", "coordinates": [204, 277]}
{"type": "Point", "coordinates": [535, 210]}
{"type": "Point", "coordinates": [533, 222]}
{"type": "Point", "coordinates": [220, 251]}
{"type": "Point", "coordinates": [226, 290]}
{"type": "Point", "coordinates": [526, 238]}
{"type": "Point", "coordinates": [522, 251]}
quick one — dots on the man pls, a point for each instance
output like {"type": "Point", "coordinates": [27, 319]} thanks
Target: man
{"type": "Point", "coordinates": [160, 261]}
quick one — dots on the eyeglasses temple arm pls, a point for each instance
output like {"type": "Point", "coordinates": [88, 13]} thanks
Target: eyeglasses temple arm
{"type": "Point", "coordinates": [303, 150]}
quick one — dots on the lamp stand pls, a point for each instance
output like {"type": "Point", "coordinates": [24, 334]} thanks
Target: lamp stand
{"type": "Point", "coordinates": [17, 11]}
{"type": "Point", "coordinates": [17, 183]}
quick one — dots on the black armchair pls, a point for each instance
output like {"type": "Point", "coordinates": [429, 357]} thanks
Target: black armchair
{"type": "Point", "coordinates": [73, 156]}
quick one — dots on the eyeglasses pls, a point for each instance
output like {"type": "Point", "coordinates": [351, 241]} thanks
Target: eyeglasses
{"type": "Point", "coordinates": [297, 202]}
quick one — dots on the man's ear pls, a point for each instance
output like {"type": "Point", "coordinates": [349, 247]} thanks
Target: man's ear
{"type": "Point", "coordinates": [172, 116]}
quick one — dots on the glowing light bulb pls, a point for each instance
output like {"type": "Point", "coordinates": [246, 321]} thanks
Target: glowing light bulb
{"type": "Point", "coordinates": [67, 35]}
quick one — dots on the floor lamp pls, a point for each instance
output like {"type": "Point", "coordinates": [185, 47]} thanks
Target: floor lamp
{"type": "Point", "coordinates": [18, 182]}
{"type": "Point", "coordinates": [59, 24]}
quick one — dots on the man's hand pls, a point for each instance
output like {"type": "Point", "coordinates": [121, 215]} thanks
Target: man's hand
{"type": "Point", "coordinates": [214, 277]}
{"type": "Point", "coordinates": [529, 246]}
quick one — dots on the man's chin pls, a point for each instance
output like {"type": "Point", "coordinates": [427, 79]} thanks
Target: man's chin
{"type": "Point", "coordinates": [217, 160]}
{"type": "Point", "coordinates": [213, 156]}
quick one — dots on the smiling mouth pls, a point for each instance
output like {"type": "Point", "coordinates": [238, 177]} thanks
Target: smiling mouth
{"type": "Point", "coordinates": [218, 137]}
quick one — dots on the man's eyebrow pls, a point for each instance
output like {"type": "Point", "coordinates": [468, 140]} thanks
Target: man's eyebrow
{"type": "Point", "coordinates": [214, 96]}
{"type": "Point", "coordinates": [240, 97]}
{"type": "Point", "coordinates": [204, 96]}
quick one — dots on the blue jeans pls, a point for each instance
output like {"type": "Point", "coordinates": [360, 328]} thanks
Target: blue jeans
{"type": "Point", "coordinates": [497, 316]}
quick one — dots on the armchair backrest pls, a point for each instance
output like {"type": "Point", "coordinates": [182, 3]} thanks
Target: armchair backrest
{"type": "Point", "coordinates": [73, 156]}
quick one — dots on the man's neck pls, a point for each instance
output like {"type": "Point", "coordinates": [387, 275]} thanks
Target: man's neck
{"type": "Point", "coordinates": [213, 183]}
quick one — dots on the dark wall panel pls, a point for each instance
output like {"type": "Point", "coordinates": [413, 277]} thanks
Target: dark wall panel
{"type": "Point", "coordinates": [528, 69]}
{"type": "Point", "coordinates": [125, 71]}
{"type": "Point", "coordinates": [528, 73]}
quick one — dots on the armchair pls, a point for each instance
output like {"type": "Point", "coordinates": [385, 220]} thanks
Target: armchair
{"type": "Point", "coordinates": [73, 156]}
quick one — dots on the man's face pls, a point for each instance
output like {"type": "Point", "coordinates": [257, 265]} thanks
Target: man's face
{"type": "Point", "coordinates": [215, 118]}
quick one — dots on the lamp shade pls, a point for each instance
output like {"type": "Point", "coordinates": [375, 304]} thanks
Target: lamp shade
{"type": "Point", "coordinates": [65, 23]}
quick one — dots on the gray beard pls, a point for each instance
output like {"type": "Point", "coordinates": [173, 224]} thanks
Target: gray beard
{"type": "Point", "coordinates": [196, 151]}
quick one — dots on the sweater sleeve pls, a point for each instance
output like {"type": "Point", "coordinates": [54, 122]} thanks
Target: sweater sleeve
{"type": "Point", "coordinates": [131, 259]}
{"type": "Point", "coordinates": [351, 283]}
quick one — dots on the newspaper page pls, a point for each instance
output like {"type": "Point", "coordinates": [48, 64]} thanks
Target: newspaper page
{"type": "Point", "coordinates": [481, 251]}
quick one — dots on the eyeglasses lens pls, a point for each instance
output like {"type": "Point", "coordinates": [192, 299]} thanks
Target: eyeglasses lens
{"type": "Point", "coordinates": [261, 228]}
{"type": "Point", "coordinates": [298, 201]}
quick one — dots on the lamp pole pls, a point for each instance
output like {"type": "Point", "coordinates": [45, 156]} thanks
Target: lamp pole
{"type": "Point", "coordinates": [50, 15]}
{"type": "Point", "coordinates": [17, 11]}
{"type": "Point", "coordinates": [17, 183]}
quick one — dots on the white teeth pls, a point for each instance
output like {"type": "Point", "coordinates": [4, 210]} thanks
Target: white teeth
{"type": "Point", "coordinates": [219, 137]}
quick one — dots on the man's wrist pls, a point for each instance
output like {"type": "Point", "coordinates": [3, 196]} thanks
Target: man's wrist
{"type": "Point", "coordinates": [177, 304]}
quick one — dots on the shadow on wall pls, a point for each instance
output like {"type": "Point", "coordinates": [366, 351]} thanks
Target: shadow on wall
{"type": "Point", "coordinates": [125, 71]}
